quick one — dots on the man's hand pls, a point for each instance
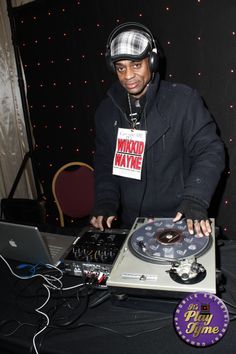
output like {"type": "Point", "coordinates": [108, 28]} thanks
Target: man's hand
{"type": "Point", "coordinates": [200, 227]}
{"type": "Point", "coordinates": [99, 222]}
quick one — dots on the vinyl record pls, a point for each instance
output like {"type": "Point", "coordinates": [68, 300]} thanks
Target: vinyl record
{"type": "Point", "coordinates": [165, 241]}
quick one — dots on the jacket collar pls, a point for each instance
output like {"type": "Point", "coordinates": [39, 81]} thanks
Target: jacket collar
{"type": "Point", "coordinates": [156, 122]}
{"type": "Point", "coordinates": [119, 95]}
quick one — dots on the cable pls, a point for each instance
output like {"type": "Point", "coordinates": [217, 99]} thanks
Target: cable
{"type": "Point", "coordinates": [100, 299]}
{"type": "Point", "coordinates": [229, 303]}
{"type": "Point", "coordinates": [48, 278]}
{"type": "Point", "coordinates": [107, 329]}
{"type": "Point", "coordinates": [18, 326]}
{"type": "Point", "coordinates": [52, 283]}
{"type": "Point", "coordinates": [45, 315]}
{"type": "Point", "coordinates": [55, 283]}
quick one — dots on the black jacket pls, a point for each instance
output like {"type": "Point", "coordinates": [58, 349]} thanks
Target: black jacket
{"type": "Point", "coordinates": [184, 157]}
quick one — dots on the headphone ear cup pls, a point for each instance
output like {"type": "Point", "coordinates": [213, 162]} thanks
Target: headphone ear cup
{"type": "Point", "coordinates": [153, 62]}
{"type": "Point", "coordinates": [110, 65]}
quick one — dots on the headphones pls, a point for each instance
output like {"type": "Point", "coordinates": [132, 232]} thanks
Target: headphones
{"type": "Point", "coordinates": [153, 56]}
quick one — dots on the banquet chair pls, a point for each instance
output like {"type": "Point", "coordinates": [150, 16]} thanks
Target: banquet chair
{"type": "Point", "coordinates": [73, 191]}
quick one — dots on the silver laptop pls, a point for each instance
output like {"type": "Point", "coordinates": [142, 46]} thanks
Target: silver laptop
{"type": "Point", "coordinates": [27, 244]}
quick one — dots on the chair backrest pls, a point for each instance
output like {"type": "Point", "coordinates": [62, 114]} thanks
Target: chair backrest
{"type": "Point", "coordinates": [73, 190]}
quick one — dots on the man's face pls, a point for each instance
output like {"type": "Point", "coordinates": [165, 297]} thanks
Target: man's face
{"type": "Point", "coordinates": [134, 76]}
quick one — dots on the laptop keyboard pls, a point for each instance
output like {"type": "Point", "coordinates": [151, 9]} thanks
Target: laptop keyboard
{"type": "Point", "coordinates": [55, 250]}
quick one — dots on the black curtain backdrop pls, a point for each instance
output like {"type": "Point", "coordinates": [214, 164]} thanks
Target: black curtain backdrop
{"type": "Point", "coordinates": [62, 45]}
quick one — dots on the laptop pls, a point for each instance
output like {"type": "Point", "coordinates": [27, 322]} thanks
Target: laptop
{"type": "Point", "coordinates": [27, 244]}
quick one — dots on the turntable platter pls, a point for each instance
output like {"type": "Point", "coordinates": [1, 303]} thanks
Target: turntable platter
{"type": "Point", "coordinates": [165, 241]}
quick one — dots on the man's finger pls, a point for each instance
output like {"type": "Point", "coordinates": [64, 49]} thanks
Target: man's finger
{"type": "Point", "coordinates": [109, 220]}
{"type": "Point", "coordinates": [97, 222]}
{"type": "Point", "coordinates": [190, 226]}
{"type": "Point", "coordinates": [177, 217]}
{"type": "Point", "coordinates": [206, 227]}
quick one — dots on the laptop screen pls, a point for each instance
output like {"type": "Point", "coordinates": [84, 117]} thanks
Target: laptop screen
{"type": "Point", "coordinates": [27, 244]}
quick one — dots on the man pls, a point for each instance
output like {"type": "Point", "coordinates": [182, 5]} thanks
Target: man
{"type": "Point", "coordinates": [157, 151]}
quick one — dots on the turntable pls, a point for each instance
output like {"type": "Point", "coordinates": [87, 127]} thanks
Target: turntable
{"type": "Point", "coordinates": [160, 257]}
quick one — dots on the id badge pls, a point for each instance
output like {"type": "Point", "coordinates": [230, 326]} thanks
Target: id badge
{"type": "Point", "coordinates": [129, 153]}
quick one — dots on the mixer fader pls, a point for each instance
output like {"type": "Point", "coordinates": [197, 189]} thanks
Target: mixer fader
{"type": "Point", "coordinates": [95, 252]}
